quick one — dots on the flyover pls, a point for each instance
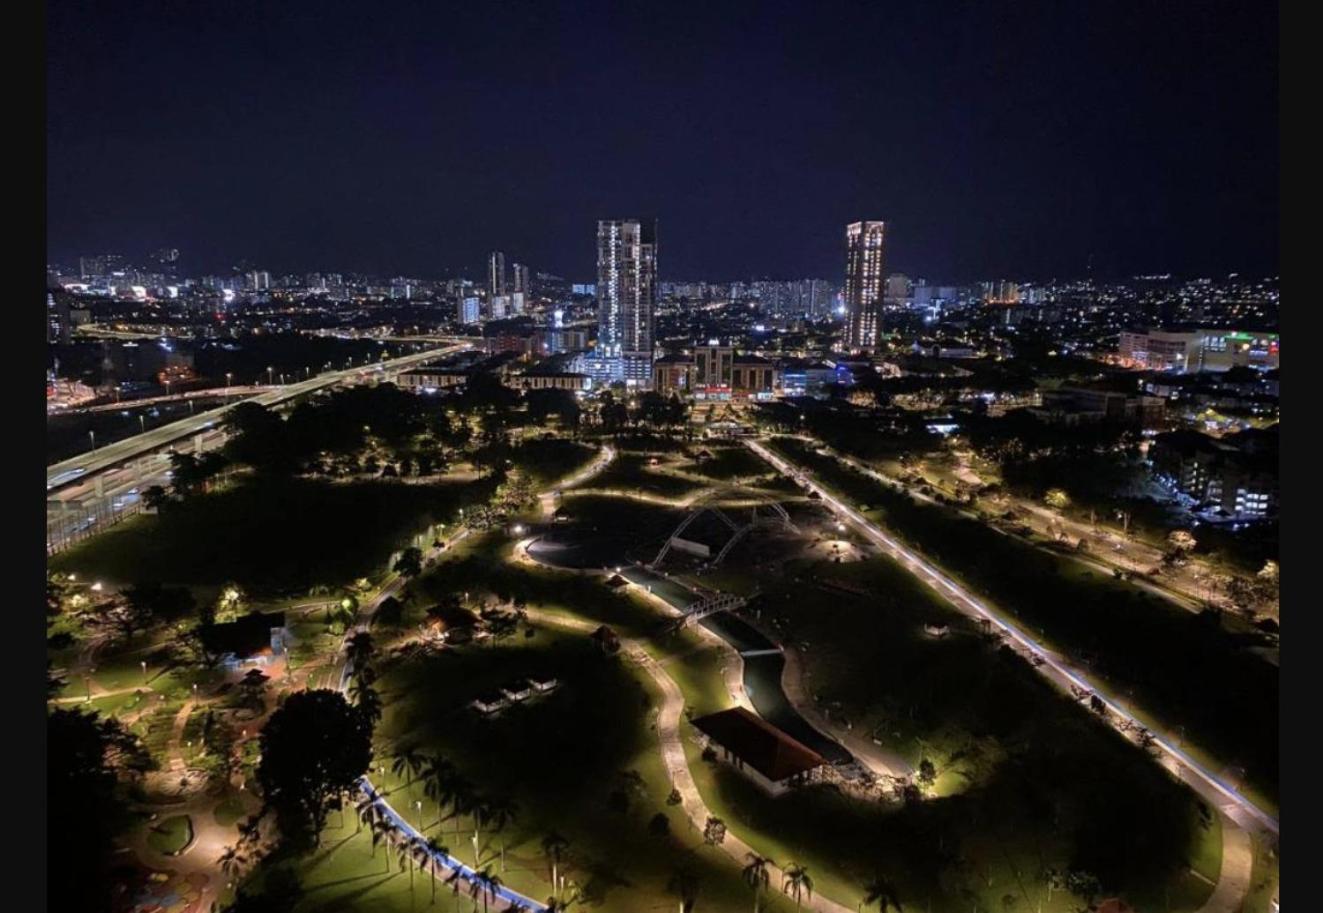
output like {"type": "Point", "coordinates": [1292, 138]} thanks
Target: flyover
{"type": "Point", "coordinates": [82, 467]}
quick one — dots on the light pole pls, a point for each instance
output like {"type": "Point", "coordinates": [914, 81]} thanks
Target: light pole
{"type": "Point", "coordinates": [228, 377]}
{"type": "Point", "coordinates": [269, 371]}
{"type": "Point", "coordinates": [92, 434]}
{"type": "Point", "coordinates": [142, 423]}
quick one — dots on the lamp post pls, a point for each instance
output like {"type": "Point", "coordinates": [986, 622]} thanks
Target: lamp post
{"type": "Point", "coordinates": [269, 372]}
{"type": "Point", "coordinates": [229, 376]}
{"type": "Point", "coordinates": [92, 435]}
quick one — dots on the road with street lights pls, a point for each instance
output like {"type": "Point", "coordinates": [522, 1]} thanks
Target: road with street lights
{"type": "Point", "coordinates": [89, 492]}
{"type": "Point", "coordinates": [1057, 669]}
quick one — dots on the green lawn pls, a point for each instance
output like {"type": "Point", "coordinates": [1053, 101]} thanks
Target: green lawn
{"type": "Point", "coordinates": [546, 460]}
{"type": "Point", "coordinates": [170, 835]}
{"type": "Point", "coordinates": [582, 761]}
{"type": "Point", "coordinates": [287, 534]}
{"type": "Point", "coordinates": [1218, 691]}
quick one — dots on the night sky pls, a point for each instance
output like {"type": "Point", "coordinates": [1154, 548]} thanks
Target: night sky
{"type": "Point", "coordinates": [998, 140]}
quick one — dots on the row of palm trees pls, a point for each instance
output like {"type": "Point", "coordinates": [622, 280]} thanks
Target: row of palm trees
{"type": "Point", "coordinates": [426, 854]}
{"type": "Point", "coordinates": [798, 883]}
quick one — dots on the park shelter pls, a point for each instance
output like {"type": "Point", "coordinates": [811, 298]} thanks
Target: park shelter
{"type": "Point", "coordinates": [762, 752]}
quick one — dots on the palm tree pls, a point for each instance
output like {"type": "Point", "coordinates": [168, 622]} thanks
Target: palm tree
{"type": "Point", "coordinates": [436, 771]}
{"type": "Point", "coordinates": [408, 761]}
{"type": "Point", "coordinates": [404, 856]}
{"type": "Point", "coordinates": [501, 810]}
{"type": "Point", "coordinates": [554, 846]}
{"type": "Point", "coordinates": [757, 877]}
{"type": "Point", "coordinates": [381, 833]}
{"type": "Point", "coordinates": [797, 883]}
{"type": "Point", "coordinates": [491, 883]}
{"type": "Point", "coordinates": [359, 652]}
{"type": "Point", "coordinates": [479, 806]}
{"type": "Point", "coordinates": [881, 891]}
{"type": "Point", "coordinates": [434, 851]}
{"type": "Point", "coordinates": [366, 812]}
{"type": "Point", "coordinates": [231, 861]}
{"type": "Point", "coordinates": [684, 885]}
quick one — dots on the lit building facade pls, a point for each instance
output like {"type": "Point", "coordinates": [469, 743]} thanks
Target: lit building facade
{"type": "Point", "coordinates": [496, 273]}
{"type": "Point", "coordinates": [864, 283]}
{"type": "Point", "coordinates": [627, 295]}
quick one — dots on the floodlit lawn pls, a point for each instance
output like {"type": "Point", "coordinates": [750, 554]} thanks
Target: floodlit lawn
{"type": "Point", "coordinates": [1027, 778]}
{"type": "Point", "coordinates": [278, 534]}
{"type": "Point", "coordinates": [547, 460]}
{"type": "Point", "coordinates": [629, 472]}
{"type": "Point", "coordinates": [1217, 691]}
{"type": "Point", "coordinates": [229, 811]}
{"type": "Point", "coordinates": [171, 835]}
{"type": "Point", "coordinates": [728, 464]}
{"type": "Point", "coordinates": [583, 761]}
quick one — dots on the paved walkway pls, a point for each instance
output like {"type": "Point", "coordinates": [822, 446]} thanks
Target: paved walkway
{"type": "Point", "coordinates": [1233, 883]}
{"type": "Point", "coordinates": [673, 756]}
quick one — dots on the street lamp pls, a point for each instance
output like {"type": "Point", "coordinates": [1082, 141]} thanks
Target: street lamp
{"type": "Point", "coordinates": [92, 434]}
{"type": "Point", "coordinates": [269, 371]}
{"type": "Point", "coordinates": [142, 423]}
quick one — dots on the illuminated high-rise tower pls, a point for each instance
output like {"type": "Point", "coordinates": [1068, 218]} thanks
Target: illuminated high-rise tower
{"type": "Point", "coordinates": [864, 284]}
{"type": "Point", "coordinates": [496, 273]}
{"type": "Point", "coordinates": [627, 293]}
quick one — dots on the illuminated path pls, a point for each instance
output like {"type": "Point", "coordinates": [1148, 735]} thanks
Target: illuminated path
{"type": "Point", "coordinates": [1203, 781]}
{"type": "Point", "coordinates": [512, 899]}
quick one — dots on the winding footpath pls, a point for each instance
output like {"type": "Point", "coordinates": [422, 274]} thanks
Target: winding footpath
{"type": "Point", "coordinates": [504, 897]}
{"type": "Point", "coordinates": [673, 756]}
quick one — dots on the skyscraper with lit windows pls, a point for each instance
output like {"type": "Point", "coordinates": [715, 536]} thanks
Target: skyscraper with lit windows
{"type": "Point", "coordinates": [627, 294]}
{"type": "Point", "coordinates": [864, 284]}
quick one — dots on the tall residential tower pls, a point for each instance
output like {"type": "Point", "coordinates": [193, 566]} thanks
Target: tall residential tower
{"type": "Point", "coordinates": [496, 273]}
{"type": "Point", "coordinates": [864, 284]}
{"type": "Point", "coordinates": [627, 294]}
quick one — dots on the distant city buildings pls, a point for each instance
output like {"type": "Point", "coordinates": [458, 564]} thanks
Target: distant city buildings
{"type": "Point", "coordinates": [863, 284]}
{"type": "Point", "coordinates": [1198, 350]}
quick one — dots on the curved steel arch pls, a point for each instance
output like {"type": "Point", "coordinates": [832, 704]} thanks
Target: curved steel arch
{"type": "Point", "coordinates": [708, 503]}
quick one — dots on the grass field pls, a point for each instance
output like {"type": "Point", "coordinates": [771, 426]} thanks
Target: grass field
{"type": "Point", "coordinates": [281, 534]}
{"type": "Point", "coordinates": [546, 460]}
{"type": "Point", "coordinates": [1216, 692]}
{"type": "Point", "coordinates": [171, 835]}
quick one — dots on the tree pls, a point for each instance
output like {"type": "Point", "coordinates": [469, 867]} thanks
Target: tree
{"type": "Point", "coordinates": [366, 700]}
{"type": "Point", "coordinates": [881, 891]}
{"type": "Point", "coordinates": [1181, 541]}
{"type": "Point", "coordinates": [252, 688]}
{"type": "Point", "coordinates": [797, 883]}
{"type": "Point", "coordinates": [1097, 705]}
{"type": "Point", "coordinates": [410, 562]}
{"type": "Point", "coordinates": [683, 884]}
{"type": "Point", "coordinates": [659, 825]}
{"type": "Point", "coordinates": [314, 747]}
{"type": "Point", "coordinates": [927, 774]}
{"type": "Point", "coordinates": [554, 847]}
{"type": "Point", "coordinates": [84, 810]}
{"type": "Point", "coordinates": [435, 850]}
{"type": "Point", "coordinates": [359, 653]}
{"type": "Point", "coordinates": [714, 831]}
{"type": "Point", "coordinates": [1057, 499]}
{"type": "Point", "coordinates": [410, 762]}
{"type": "Point", "coordinates": [757, 875]}
{"type": "Point", "coordinates": [154, 497]}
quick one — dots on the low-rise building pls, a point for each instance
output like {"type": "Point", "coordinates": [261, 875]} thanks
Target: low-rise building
{"type": "Point", "coordinates": [1198, 350]}
{"type": "Point", "coordinates": [1235, 475]}
{"type": "Point", "coordinates": [769, 757]}
{"type": "Point", "coordinates": [255, 639]}
{"type": "Point", "coordinates": [1082, 405]}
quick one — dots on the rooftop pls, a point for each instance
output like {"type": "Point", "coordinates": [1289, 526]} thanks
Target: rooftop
{"type": "Point", "coordinates": [759, 744]}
